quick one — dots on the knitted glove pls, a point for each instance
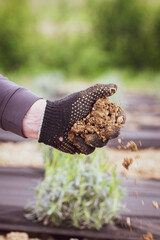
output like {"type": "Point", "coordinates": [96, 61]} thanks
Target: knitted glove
{"type": "Point", "coordinates": [60, 115]}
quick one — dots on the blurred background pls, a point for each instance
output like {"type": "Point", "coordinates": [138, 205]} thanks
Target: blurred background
{"type": "Point", "coordinates": [55, 47]}
{"type": "Point", "coordinates": [81, 40]}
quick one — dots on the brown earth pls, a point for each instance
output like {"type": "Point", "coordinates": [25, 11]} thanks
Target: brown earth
{"type": "Point", "coordinates": [16, 236]}
{"type": "Point", "coordinates": [103, 123]}
{"type": "Point", "coordinates": [24, 154]}
{"type": "Point", "coordinates": [147, 236]}
{"type": "Point", "coordinates": [146, 163]}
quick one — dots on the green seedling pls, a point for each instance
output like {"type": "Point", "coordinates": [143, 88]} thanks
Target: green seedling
{"type": "Point", "coordinates": [76, 191]}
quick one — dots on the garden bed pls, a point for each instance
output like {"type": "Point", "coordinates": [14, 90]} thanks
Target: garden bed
{"type": "Point", "coordinates": [15, 188]}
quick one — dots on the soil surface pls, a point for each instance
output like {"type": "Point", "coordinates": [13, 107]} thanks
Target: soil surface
{"type": "Point", "coordinates": [24, 154]}
{"type": "Point", "coordinates": [146, 162]}
{"type": "Point", "coordinates": [103, 123]}
{"type": "Point", "coordinates": [16, 236]}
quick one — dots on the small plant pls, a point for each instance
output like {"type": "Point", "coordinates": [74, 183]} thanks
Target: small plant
{"type": "Point", "coordinates": [76, 191]}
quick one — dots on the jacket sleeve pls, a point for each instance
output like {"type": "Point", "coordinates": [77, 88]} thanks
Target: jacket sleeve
{"type": "Point", "coordinates": [15, 101]}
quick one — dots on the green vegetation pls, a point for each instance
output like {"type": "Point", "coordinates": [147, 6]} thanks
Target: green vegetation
{"type": "Point", "coordinates": [83, 39]}
{"type": "Point", "coordinates": [15, 31]}
{"type": "Point", "coordinates": [76, 191]}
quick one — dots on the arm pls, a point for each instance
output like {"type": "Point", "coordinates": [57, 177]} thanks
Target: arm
{"type": "Point", "coordinates": [15, 101]}
{"type": "Point", "coordinates": [27, 115]}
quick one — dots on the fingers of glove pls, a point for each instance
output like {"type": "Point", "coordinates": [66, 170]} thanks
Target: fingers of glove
{"type": "Point", "coordinates": [98, 91]}
{"type": "Point", "coordinates": [112, 131]}
{"type": "Point", "coordinates": [82, 146]}
{"type": "Point", "coordinates": [93, 140]}
{"type": "Point", "coordinates": [67, 147]}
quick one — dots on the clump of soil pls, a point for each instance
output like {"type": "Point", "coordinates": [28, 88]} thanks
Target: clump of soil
{"type": "Point", "coordinates": [127, 162]}
{"type": "Point", "coordinates": [136, 194]}
{"type": "Point", "coordinates": [147, 236]}
{"type": "Point", "coordinates": [155, 205]}
{"type": "Point", "coordinates": [128, 221]}
{"type": "Point", "coordinates": [132, 146]}
{"type": "Point", "coordinates": [17, 236]}
{"type": "Point", "coordinates": [103, 123]}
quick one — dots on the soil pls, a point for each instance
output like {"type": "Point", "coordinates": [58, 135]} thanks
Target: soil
{"type": "Point", "coordinates": [155, 205]}
{"type": "Point", "coordinates": [127, 162]}
{"type": "Point", "coordinates": [20, 236]}
{"type": "Point", "coordinates": [101, 124]}
{"type": "Point", "coordinates": [128, 221]}
{"type": "Point", "coordinates": [132, 146]}
{"type": "Point", "coordinates": [29, 154]}
{"type": "Point", "coordinates": [17, 236]}
{"type": "Point", "coordinates": [24, 154]}
{"type": "Point", "coordinates": [148, 236]}
{"type": "Point", "coordinates": [145, 164]}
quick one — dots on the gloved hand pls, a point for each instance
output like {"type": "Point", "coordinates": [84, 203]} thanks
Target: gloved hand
{"type": "Point", "coordinates": [60, 115]}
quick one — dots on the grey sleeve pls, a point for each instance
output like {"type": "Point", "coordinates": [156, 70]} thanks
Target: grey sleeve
{"type": "Point", "coordinates": [15, 101]}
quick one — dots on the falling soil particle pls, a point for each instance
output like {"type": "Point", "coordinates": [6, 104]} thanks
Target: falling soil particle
{"type": "Point", "coordinates": [101, 124]}
{"type": "Point", "coordinates": [119, 140]}
{"type": "Point", "coordinates": [132, 146]}
{"type": "Point", "coordinates": [136, 194]}
{"type": "Point", "coordinates": [147, 236]}
{"type": "Point", "coordinates": [119, 147]}
{"type": "Point", "coordinates": [155, 205]}
{"type": "Point", "coordinates": [142, 203]}
{"type": "Point", "coordinates": [135, 181]}
{"type": "Point", "coordinates": [140, 143]}
{"type": "Point", "coordinates": [127, 162]}
{"type": "Point", "coordinates": [128, 221]}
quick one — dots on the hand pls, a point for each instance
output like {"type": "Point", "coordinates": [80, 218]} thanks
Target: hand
{"type": "Point", "coordinates": [60, 116]}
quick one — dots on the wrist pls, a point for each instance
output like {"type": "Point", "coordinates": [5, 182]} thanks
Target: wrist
{"type": "Point", "coordinates": [32, 120]}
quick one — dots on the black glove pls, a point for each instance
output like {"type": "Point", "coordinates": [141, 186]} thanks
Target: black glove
{"type": "Point", "coordinates": [60, 116]}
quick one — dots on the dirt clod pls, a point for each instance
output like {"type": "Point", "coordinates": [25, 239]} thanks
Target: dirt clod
{"type": "Point", "coordinates": [103, 123]}
{"type": "Point", "coordinates": [127, 162]}
{"type": "Point", "coordinates": [147, 236]}
{"type": "Point", "coordinates": [128, 221]}
{"type": "Point", "coordinates": [155, 204]}
{"type": "Point", "coordinates": [140, 143]}
{"type": "Point", "coordinates": [132, 146]}
{"type": "Point", "coordinates": [17, 236]}
{"type": "Point", "coordinates": [119, 147]}
{"type": "Point", "coordinates": [136, 194]}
